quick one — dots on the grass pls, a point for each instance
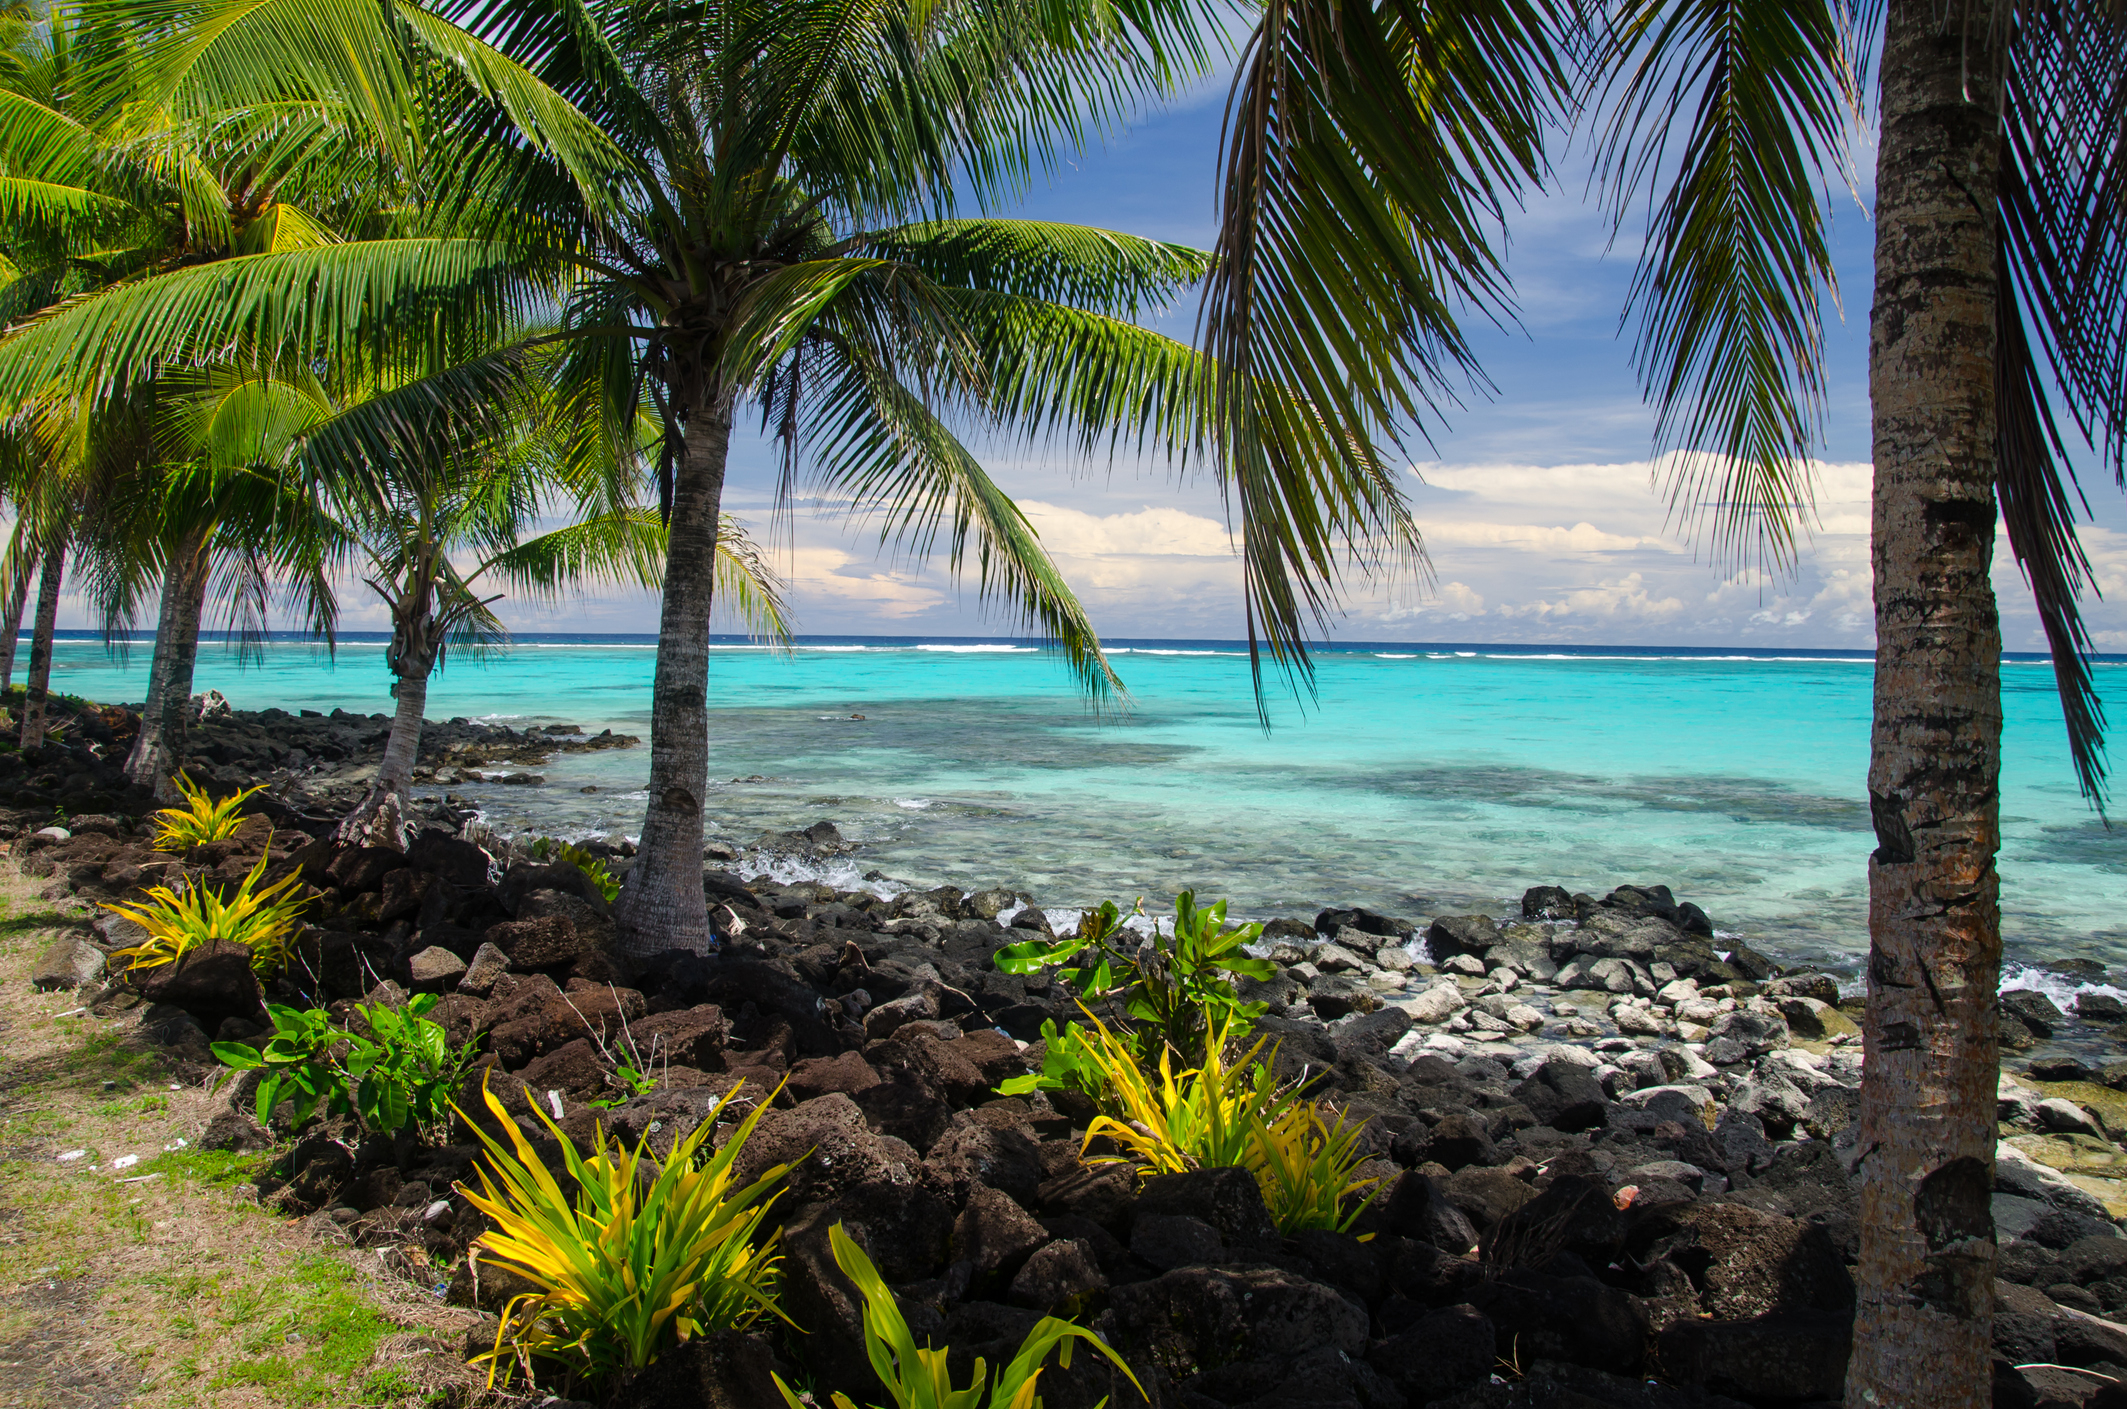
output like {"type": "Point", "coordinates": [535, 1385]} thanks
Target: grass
{"type": "Point", "coordinates": [164, 1284]}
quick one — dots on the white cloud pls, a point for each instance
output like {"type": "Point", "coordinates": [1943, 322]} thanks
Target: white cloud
{"type": "Point", "coordinates": [1151, 530]}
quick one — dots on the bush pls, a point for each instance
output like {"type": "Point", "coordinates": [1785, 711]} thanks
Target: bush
{"type": "Point", "coordinates": [917, 1378]}
{"type": "Point", "coordinates": [201, 819]}
{"type": "Point", "coordinates": [629, 1266]}
{"type": "Point", "coordinates": [1228, 1113]}
{"type": "Point", "coordinates": [1176, 986]}
{"type": "Point", "coordinates": [179, 921]}
{"type": "Point", "coordinates": [400, 1073]}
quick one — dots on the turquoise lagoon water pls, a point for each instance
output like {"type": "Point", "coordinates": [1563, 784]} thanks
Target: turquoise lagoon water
{"type": "Point", "coordinates": [1421, 780]}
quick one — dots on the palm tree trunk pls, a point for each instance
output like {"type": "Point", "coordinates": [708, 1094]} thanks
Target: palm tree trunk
{"type": "Point", "coordinates": [379, 819]}
{"type": "Point", "coordinates": [1926, 1275]}
{"type": "Point", "coordinates": [662, 906]}
{"type": "Point", "coordinates": [160, 749]}
{"type": "Point", "coordinates": [11, 629]}
{"type": "Point", "coordinates": [33, 722]}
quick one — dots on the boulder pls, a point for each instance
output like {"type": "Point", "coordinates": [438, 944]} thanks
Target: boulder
{"type": "Point", "coordinates": [460, 863]}
{"type": "Point", "coordinates": [1564, 1318]}
{"type": "Point", "coordinates": [829, 1148]}
{"type": "Point", "coordinates": [2034, 1010]}
{"type": "Point", "coordinates": [1165, 1241]}
{"type": "Point", "coordinates": [1745, 1263]}
{"type": "Point", "coordinates": [1199, 1318]}
{"type": "Point", "coordinates": [213, 981]}
{"type": "Point", "coordinates": [712, 1370]}
{"type": "Point", "coordinates": [531, 945]}
{"type": "Point", "coordinates": [488, 964]}
{"type": "Point", "coordinates": [1740, 1035]}
{"type": "Point", "coordinates": [433, 970]}
{"type": "Point", "coordinates": [1228, 1199]}
{"type": "Point", "coordinates": [1057, 1277]}
{"type": "Point", "coordinates": [1461, 934]}
{"type": "Point", "coordinates": [1564, 1096]}
{"type": "Point", "coordinates": [69, 961]}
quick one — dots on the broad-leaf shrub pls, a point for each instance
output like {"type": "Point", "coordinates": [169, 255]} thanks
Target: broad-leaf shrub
{"type": "Point", "coordinates": [200, 819]}
{"type": "Point", "coordinates": [626, 1267]}
{"type": "Point", "coordinates": [264, 921]}
{"type": "Point", "coordinates": [917, 1378]}
{"type": "Point", "coordinates": [398, 1073]}
{"type": "Point", "coordinates": [1175, 985]}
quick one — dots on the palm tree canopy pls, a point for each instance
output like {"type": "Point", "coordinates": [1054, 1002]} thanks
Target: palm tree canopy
{"type": "Point", "coordinates": [1375, 147]}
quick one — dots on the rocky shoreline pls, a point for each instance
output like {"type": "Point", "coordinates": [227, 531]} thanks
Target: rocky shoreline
{"type": "Point", "coordinates": [1614, 1151]}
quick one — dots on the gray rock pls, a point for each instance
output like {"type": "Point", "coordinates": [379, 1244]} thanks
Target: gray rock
{"type": "Point", "coordinates": [1782, 1358]}
{"type": "Point", "coordinates": [2034, 1009]}
{"type": "Point", "coordinates": [1751, 1034]}
{"type": "Point", "coordinates": [435, 969]}
{"type": "Point", "coordinates": [889, 1018]}
{"type": "Point", "coordinates": [2067, 1118]}
{"type": "Point", "coordinates": [489, 964]}
{"type": "Point", "coordinates": [69, 962]}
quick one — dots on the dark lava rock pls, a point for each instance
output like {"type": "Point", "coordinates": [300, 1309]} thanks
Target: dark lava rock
{"type": "Point", "coordinates": [1199, 1318]}
{"type": "Point", "coordinates": [1564, 1318]}
{"type": "Point", "coordinates": [1442, 1352]}
{"type": "Point", "coordinates": [211, 982]}
{"type": "Point", "coordinates": [994, 1235]}
{"type": "Point", "coordinates": [1165, 1241]}
{"type": "Point", "coordinates": [713, 1370]}
{"type": "Point", "coordinates": [2034, 1010]}
{"type": "Point", "coordinates": [1744, 1263]}
{"type": "Point", "coordinates": [1780, 1358]}
{"type": "Point", "coordinates": [1228, 1199]}
{"type": "Point", "coordinates": [1564, 1096]}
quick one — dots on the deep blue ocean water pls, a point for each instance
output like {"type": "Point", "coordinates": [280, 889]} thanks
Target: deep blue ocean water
{"type": "Point", "coordinates": [1419, 779]}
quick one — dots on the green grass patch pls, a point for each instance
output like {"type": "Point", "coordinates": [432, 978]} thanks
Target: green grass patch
{"type": "Point", "coordinates": [307, 1334]}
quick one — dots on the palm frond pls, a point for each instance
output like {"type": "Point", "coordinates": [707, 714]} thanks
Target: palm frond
{"type": "Point", "coordinates": [1370, 153]}
{"type": "Point", "coordinates": [345, 302]}
{"type": "Point", "coordinates": [626, 549]}
{"type": "Point", "coordinates": [1101, 271]}
{"type": "Point", "coordinates": [875, 441]}
{"type": "Point", "coordinates": [1730, 341]}
{"type": "Point", "coordinates": [747, 587]}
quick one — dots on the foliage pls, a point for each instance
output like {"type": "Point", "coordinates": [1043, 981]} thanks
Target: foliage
{"type": "Point", "coordinates": [1168, 1122]}
{"type": "Point", "coordinates": [1228, 1113]}
{"type": "Point", "coordinates": [1304, 1165]}
{"type": "Point", "coordinates": [918, 1378]}
{"type": "Point", "coordinates": [1178, 985]}
{"type": "Point", "coordinates": [201, 819]}
{"type": "Point", "coordinates": [177, 922]}
{"type": "Point", "coordinates": [594, 867]}
{"type": "Point", "coordinates": [1067, 1063]}
{"type": "Point", "coordinates": [400, 1073]}
{"type": "Point", "coordinates": [629, 1266]}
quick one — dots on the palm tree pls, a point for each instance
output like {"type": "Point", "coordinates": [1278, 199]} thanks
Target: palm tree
{"type": "Point", "coordinates": [1374, 150]}
{"type": "Point", "coordinates": [786, 240]}
{"type": "Point", "coordinates": [143, 166]}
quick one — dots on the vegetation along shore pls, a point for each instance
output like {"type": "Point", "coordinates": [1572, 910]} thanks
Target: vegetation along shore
{"type": "Point", "coordinates": [1578, 1152]}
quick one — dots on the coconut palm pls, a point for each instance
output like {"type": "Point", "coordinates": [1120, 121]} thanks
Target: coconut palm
{"type": "Point", "coordinates": [788, 241]}
{"type": "Point", "coordinates": [429, 496]}
{"type": "Point", "coordinates": [1375, 146]}
{"type": "Point", "coordinates": [137, 159]}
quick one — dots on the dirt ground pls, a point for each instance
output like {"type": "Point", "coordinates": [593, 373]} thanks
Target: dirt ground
{"type": "Point", "coordinates": [137, 1269]}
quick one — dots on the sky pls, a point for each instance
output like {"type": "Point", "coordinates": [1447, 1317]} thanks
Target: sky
{"type": "Point", "coordinates": [1544, 519]}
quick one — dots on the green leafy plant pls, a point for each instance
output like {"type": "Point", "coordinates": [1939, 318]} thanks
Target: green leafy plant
{"type": "Point", "coordinates": [594, 867]}
{"type": "Point", "coordinates": [398, 1073]}
{"type": "Point", "coordinates": [1172, 984]}
{"type": "Point", "coordinates": [200, 819]}
{"type": "Point", "coordinates": [917, 1377]}
{"type": "Point", "coordinates": [264, 921]}
{"type": "Point", "coordinates": [626, 1266]}
{"type": "Point", "coordinates": [1067, 1064]}
{"type": "Point", "coordinates": [1228, 1112]}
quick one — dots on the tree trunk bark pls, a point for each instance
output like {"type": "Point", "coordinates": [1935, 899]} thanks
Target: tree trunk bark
{"type": "Point", "coordinates": [662, 906]}
{"type": "Point", "coordinates": [1926, 1275]}
{"type": "Point", "coordinates": [379, 819]}
{"type": "Point", "coordinates": [33, 711]}
{"type": "Point", "coordinates": [11, 626]}
{"type": "Point", "coordinates": [160, 750]}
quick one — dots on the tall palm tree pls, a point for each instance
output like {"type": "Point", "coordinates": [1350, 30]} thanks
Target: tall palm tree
{"type": "Point", "coordinates": [786, 240]}
{"type": "Point", "coordinates": [1375, 148]}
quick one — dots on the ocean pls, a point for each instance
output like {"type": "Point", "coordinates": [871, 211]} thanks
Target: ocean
{"type": "Point", "coordinates": [1418, 780]}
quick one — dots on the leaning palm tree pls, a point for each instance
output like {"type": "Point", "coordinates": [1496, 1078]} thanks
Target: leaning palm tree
{"type": "Point", "coordinates": [1374, 150]}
